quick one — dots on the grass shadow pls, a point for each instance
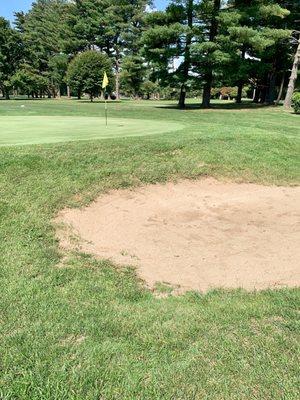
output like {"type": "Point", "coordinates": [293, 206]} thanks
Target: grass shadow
{"type": "Point", "coordinates": [97, 101]}
{"type": "Point", "coordinates": [25, 99]}
{"type": "Point", "coordinates": [217, 106]}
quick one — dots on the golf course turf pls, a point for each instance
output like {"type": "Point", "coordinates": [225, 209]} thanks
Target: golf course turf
{"type": "Point", "coordinates": [73, 327]}
{"type": "Point", "coordinates": [49, 129]}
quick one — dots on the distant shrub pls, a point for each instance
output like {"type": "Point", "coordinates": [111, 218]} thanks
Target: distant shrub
{"type": "Point", "coordinates": [296, 102]}
{"type": "Point", "coordinates": [149, 88]}
{"type": "Point", "coordinates": [85, 73]}
{"type": "Point", "coordinates": [226, 92]}
{"type": "Point", "coordinates": [215, 93]}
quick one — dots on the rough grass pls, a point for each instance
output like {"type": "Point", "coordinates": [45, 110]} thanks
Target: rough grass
{"type": "Point", "coordinates": [73, 328]}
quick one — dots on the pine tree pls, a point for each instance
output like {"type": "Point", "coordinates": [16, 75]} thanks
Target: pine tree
{"type": "Point", "coordinates": [210, 17]}
{"type": "Point", "coordinates": [255, 38]}
{"type": "Point", "coordinates": [123, 28]}
{"type": "Point", "coordinates": [169, 40]}
{"type": "Point", "coordinates": [112, 26]}
{"type": "Point", "coordinates": [42, 30]}
{"type": "Point", "coordinates": [11, 49]}
{"type": "Point", "coordinates": [133, 75]}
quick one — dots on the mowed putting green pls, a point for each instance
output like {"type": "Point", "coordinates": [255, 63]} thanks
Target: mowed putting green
{"type": "Point", "coordinates": [17, 130]}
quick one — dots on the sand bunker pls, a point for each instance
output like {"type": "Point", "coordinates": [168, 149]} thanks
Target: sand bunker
{"type": "Point", "coordinates": [197, 234]}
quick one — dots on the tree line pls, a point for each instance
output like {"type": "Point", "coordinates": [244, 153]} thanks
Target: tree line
{"type": "Point", "coordinates": [218, 48]}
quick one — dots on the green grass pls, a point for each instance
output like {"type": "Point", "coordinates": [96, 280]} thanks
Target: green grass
{"type": "Point", "coordinates": [21, 130]}
{"type": "Point", "coordinates": [72, 327]}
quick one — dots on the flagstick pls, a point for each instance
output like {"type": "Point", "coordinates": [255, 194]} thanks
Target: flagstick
{"type": "Point", "coordinates": [105, 112]}
{"type": "Point", "coordinates": [104, 85]}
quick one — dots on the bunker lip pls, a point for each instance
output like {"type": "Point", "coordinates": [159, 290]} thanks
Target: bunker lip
{"type": "Point", "coordinates": [196, 234]}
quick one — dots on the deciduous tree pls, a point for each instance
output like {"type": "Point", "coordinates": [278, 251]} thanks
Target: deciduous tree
{"type": "Point", "coordinates": [86, 70]}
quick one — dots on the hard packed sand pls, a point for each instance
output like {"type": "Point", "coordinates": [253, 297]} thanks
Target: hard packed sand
{"type": "Point", "coordinates": [197, 234]}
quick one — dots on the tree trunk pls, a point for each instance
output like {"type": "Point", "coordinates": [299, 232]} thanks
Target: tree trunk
{"type": "Point", "coordinates": [208, 77]}
{"type": "Point", "coordinates": [257, 95]}
{"type": "Point", "coordinates": [241, 83]}
{"type": "Point", "coordinates": [117, 78]}
{"type": "Point", "coordinates": [280, 90]}
{"type": "Point", "coordinates": [5, 93]}
{"type": "Point", "coordinates": [182, 96]}
{"type": "Point", "coordinates": [270, 95]}
{"type": "Point", "coordinates": [187, 54]}
{"type": "Point", "coordinates": [117, 85]}
{"type": "Point", "coordinates": [263, 94]}
{"type": "Point", "coordinates": [207, 90]}
{"type": "Point", "coordinates": [293, 78]}
{"type": "Point", "coordinates": [68, 92]}
{"type": "Point", "coordinates": [239, 92]}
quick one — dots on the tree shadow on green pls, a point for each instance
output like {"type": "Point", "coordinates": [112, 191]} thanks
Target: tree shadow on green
{"type": "Point", "coordinates": [217, 106]}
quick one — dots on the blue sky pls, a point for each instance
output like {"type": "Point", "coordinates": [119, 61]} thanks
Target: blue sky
{"type": "Point", "coordinates": [8, 7]}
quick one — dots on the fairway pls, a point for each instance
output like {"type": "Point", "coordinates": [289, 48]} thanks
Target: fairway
{"type": "Point", "coordinates": [149, 200]}
{"type": "Point", "coordinates": [17, 130]}
{"type": "Point", "coordinates": [74, 326]}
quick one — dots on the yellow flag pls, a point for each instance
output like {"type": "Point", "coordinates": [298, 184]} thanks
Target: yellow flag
{"type": "Point", "coordinates": [105, 81]}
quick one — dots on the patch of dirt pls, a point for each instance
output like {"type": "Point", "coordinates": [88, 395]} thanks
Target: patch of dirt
{"type": "Point", "coordinates": [197, 234]}
{"type": "Point", "coordinates": [72, 340]}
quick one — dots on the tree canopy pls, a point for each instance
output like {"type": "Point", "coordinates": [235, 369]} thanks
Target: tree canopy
{"type": "Point", "coordinates": [192, 47]}
{"type": "Point", "coordinates": [85, 72]}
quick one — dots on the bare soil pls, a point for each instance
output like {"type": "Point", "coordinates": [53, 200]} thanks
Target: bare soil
{"type": "Point", "coordinates": [197, 234]}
